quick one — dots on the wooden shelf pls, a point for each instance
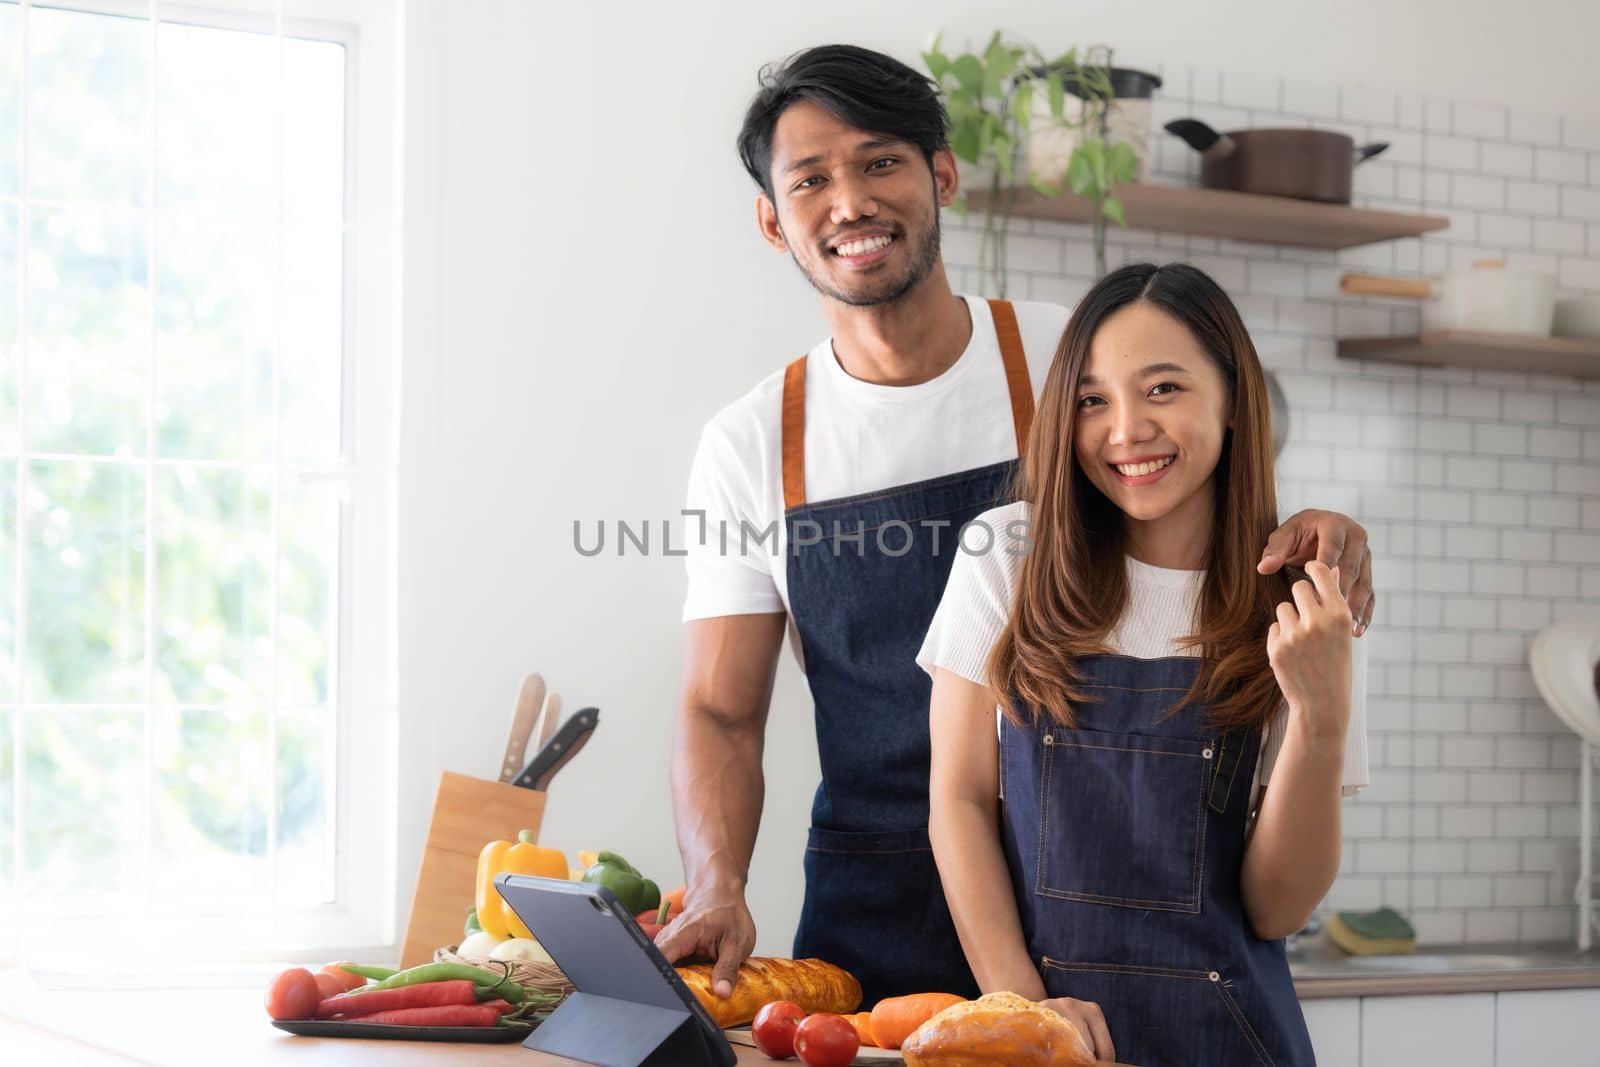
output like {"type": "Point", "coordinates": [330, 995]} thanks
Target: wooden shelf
{"type": "Point", "coordinates": [1572, 356]}
{"type": "Point", "coordinates": [1235, 216]}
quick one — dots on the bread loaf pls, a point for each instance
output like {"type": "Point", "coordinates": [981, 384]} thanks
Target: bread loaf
{"type": "Point", "coordinates": [995, 1030]}
{"type": "Point", "coordinates": [813, 984]}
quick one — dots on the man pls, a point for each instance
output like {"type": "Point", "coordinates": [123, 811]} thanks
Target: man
{"type": "Point", "coordinates": [867, 455]}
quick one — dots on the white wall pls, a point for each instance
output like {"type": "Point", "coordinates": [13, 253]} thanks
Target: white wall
{"type": "Point", "coordinates": [584, 287]}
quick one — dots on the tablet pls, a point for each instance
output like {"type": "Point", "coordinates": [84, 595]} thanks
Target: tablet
{"type": "Point", "coordinates": [630, 1008]}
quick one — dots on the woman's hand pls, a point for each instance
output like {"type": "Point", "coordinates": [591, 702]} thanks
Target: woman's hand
{"type": "Point", "coordinates": [1309, 649]}
{"type": "Point", "coordinates": [1090, 1021]}
{"type": "Point", "coordinates": [1338, 541]}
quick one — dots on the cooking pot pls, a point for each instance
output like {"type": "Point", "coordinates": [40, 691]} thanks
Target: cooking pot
{"type": "Point", "coordinates": [1299, 163]}
{"type": "Point", "coordinates": [1577, 316]}
{"type": "Point", "coordinates": [1485, 296]}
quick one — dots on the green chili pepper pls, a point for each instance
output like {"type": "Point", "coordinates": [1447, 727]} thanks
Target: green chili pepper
{"type": "Point", "coordinates": [377, 974]}
{"type": "Point", "coordinates": [499, 982]}
{"type": "Point", "coordinates": [636, 892]}
{"type": "Point", "coordinates": [473, 926]}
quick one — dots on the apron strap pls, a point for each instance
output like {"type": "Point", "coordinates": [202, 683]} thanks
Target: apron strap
{"type": "Point", "coordinates": [794, 434]}
{"type": "Point", "coordinates": [1018, 384]}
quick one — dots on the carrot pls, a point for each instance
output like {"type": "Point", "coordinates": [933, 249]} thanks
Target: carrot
{"type": "Point", "coordinates": [894, 1019]}
{"type": "Point", "coordinates": [440, 1015]}
{"type": "Point", "coordinates": [862, 1021]}
{"type": "Point", "coordinates": [426, 995]}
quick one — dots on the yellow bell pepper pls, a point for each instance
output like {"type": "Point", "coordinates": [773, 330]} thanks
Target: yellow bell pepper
{"type": "Point", "coordinates": [522, 856]}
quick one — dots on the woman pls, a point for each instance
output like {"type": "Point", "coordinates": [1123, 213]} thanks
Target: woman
{"type": "Point", "coordinates": [1112, 849]}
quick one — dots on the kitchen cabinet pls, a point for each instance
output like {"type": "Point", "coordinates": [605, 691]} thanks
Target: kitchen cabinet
{"type": "Point", "coordinates": [1457, 1029]}
{"type": "Point", "coordinates": [1554, 1028]}
{"type": "Point", "coordinates": [1548, 1027]}
{"type": "Point", "coordinates": [1335, 1027]}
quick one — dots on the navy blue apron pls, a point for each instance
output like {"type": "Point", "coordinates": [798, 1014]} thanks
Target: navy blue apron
{"type": "Point", "coordinates": [1125, 839]}
{"type": "Point", "coordinates": [865, 574]}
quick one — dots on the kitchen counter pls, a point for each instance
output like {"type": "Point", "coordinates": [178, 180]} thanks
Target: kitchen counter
{"type": "Point", "coordinates": [1323, 971]}
{"type": "Point", "coordinates": [199, 1028]}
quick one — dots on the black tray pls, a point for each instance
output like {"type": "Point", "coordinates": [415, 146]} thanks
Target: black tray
{"type": "Point", "coordinates": [478, 1035]}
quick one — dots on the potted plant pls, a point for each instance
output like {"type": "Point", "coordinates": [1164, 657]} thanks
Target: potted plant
{"type": "Point", "coordinates": [990, 97]}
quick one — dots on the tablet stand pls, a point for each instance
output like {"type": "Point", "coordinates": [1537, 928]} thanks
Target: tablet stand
{"type": "Point", "coordinates": [621, 1033]}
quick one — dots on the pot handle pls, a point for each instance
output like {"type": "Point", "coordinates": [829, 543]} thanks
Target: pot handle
{"type": "Point", "coordinates": [1367, 151]}
{"type": "Point", "coordinates": [1377, 285]}
{"type": "Point", "coordinates": [1200, 137]}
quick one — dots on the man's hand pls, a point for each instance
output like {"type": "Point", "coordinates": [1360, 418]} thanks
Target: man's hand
{"type": "Point", "coordinates": [1335, 540]}
{"type": "Point", "coordinates": [716, 923]}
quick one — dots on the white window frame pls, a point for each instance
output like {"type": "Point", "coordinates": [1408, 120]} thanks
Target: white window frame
{"type": "Point", "coordinates": [362, 917]}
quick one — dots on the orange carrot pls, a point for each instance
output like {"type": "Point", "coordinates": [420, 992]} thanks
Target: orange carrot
{"type": "Point", "coordinates": [894, 1019]}
{"type": "Point", "coordinates": [862, 1021]}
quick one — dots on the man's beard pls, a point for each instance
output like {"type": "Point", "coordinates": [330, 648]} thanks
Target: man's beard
{"type": "Point", "coordinates": [925, 255]}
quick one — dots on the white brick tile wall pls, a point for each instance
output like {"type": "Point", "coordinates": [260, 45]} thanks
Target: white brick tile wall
{"type": "Point", "coordinates": [1480, 489]}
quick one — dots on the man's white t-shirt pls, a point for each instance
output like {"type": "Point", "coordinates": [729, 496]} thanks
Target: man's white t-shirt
{"type": "Point", "coordinates": [860, 438]}
{"type": "Point", "coordinates": [1161, 609]}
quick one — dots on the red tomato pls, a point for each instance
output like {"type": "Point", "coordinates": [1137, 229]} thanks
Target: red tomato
{"type": "Point", "coordinates": [775, 1026]}
{"type": "Point", "coordinates": [349, 979]}
{"type": "Point", "coordinates": [825, 1040]}
{"type": "Point", "coordinates": [293, 995]}
{"type": "Point", "coordinates": [328, 985]}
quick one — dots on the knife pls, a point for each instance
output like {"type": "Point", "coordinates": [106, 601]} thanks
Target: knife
{"type": "Point", "coordinates": [548, 720]}
{"type": "Point", "coordinates": [568, 740]}
{"type": "Point", "coordinates": [523, 720]}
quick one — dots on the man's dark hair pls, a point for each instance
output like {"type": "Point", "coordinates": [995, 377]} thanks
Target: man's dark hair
{"type": "Point", "coordinates": [867, 89]}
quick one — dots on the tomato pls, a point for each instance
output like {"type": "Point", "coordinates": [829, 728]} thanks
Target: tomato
{"type": "Point", "coordinates": [328, 985]}
{"type": "Point", "coordinates": [293, 995]}
{"type": "Point", "coordinates": [349, 979]}
{"type": "Point", "coordinates": [825, 1040]}
{"type": "Point", "coordinates": [775, 1026]}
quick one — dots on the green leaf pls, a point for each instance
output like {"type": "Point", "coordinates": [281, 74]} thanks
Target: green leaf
{"type": "Point", "coordinates": [964, 141]}
{"type": "Point", "coordinates": [1058, 93]}
{"type": "Point", "coordinates": [959, 205]}
{"type": "Point", "coordinates": [1080, 173]}
{"type": "Point", "coordinates": [1113, 210]}
{"type": "Point", "coordinates": [936, 62]}
{"type": "Point", "coordinates": [969, 72]}
{"type": "Point", "coordinates": [1022, 104]}
{"type": "Point", "coordinates": [986, 130]}
{"type": "Point", "coordinates": [1042, 187]}
{"type": "Point", "coordinates": [1003, 149]}
{"type": "Point", "coordinates": [1068, 59]}
{"type": "Point", "coordinates": [1123, 164]}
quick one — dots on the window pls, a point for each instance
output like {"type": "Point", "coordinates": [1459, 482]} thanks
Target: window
{"type": "Point", "coordinates": [196, 476]}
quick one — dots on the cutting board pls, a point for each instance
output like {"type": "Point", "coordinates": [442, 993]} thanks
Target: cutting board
{"type": "Point", "coordinates": [865, 1056]}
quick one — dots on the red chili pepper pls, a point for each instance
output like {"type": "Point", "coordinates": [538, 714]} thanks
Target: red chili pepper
{"type": "Point", "coordinates": [425, 995]}
{"type": "Point", "coordinates": [443, 1015]}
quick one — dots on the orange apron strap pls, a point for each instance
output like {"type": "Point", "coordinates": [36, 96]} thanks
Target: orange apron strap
{"type": "Point", "coordinates": [794, 434]}
{"type": "Point", "coordinates": [1018, 384]}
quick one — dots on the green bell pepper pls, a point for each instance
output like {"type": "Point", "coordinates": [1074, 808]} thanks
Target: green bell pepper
{"type": "Point", "coordinates": [636, 892]}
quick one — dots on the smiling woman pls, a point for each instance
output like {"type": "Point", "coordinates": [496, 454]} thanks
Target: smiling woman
{"type": "Point", "coordinates": [177, 501]}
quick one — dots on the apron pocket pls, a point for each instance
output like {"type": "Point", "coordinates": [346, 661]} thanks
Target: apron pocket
{"type": "Point", "coordinates": [1163, 1015]}
{"type": "Point", "coordinates": [1123, 819]}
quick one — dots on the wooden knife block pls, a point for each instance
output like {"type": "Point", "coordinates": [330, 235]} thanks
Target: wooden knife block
{"type": "Point", "coordinates": [468, 813]}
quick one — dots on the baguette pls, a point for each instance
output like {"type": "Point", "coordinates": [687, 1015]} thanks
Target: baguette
{"type": "Point", "coordinates": [812, 984]}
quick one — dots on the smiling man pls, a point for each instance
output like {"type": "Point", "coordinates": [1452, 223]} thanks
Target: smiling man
{"type": "Point", "coordinates": [833, 493]}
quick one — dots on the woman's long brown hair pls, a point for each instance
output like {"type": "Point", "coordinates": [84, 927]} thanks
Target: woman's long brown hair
{"type": "Point", "coordinates": [1073, 587]}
